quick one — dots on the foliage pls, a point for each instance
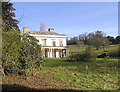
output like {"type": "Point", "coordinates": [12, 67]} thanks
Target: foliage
{"type": "Point", "coordinates": [9, 23]}
{"type": "Point", "coordinates": [117, 40]}
{"type": "Point", "coordinates": [97, 39]}
{"type": "Point", "coordinates": [31, 52]}
{"type": "Point", "coordinates": [11, 50]}
{"type": "Point", "coordinates": [80, 43]}
{"type": "Point", "coordinates": [114, 40]}
{"type": "Point", "coordinates": [72, 41]}
{"type": "Point", "coordinates": [88, 55]}
{"type": "Point", "coordinates": [19, 52]}
{"type": "Point", "coordinates": [10, 39]}
{"type": "Point", "coordinates": [111, 39]}
{"type": "Point", "coordinates": [83, 38]}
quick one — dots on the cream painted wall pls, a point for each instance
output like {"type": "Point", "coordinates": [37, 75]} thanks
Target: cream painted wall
{"type": "Point", "coordinates": [50, 38]}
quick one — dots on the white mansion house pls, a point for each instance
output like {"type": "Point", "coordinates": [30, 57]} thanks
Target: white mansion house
{"type": "Point", "coordinates": [53, 45]}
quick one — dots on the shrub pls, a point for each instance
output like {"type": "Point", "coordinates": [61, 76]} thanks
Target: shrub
{"type": "Point", "coordinates": [88, 55]}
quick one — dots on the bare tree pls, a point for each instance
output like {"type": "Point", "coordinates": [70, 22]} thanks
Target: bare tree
{"type": "Point", "coordinates": [97, 39]}
{"type": "Point", "coordinates": [42, 27]}
{"type": "Point", "coordinates": [83, 37]}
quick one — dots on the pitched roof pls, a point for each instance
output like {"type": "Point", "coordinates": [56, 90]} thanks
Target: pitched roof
{"type": "Point", "coordinates": [44, 33]}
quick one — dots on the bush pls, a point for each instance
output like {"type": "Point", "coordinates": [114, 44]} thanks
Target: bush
{"type": "Point", "coordinates": [88, 55]}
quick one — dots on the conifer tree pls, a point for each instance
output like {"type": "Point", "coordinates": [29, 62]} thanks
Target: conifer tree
{"type": "Point", "coordinates": [10, 39]}
{"type": "Point", "coordinates": [8, 21]}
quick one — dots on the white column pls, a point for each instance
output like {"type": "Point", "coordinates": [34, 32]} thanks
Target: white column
{"type": "Point", "coordinates": [49, 53]}
{"type": "Point", "coordinates": [61, 52]}
{"type": "Point", "coordinates": [58, 53]}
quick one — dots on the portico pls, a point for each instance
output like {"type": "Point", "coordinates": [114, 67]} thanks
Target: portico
{"type": "Point", "coordinates": [55, 52]}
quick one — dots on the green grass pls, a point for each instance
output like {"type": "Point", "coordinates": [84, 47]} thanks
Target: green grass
{"type": "Point", "coordinates": [112, 49]}
{"type": "Point", "coordinates": [101, 74]}
{"type": "Point", "coordinates": [75, 48]}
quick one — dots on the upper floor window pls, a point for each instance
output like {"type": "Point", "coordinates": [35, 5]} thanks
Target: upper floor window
{"type": "Point", "coordinates": [54, 43]}
{"type": "Point", "coordinates": [61, 43]}
{"type": "Point", "coordinates": [44, 42]}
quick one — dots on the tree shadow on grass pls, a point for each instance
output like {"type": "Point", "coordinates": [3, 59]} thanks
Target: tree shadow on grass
{"type": "Point", "coordinates": [20, 88]}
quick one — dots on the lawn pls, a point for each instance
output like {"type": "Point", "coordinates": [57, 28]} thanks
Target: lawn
{"type": "Point", "coordinates": [101, 74]}
{"type": "Point", "coordinates": [76, 48]}
{"type": "Point", "coordinates": [110, 49]}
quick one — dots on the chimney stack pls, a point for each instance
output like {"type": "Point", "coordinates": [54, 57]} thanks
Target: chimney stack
{"type": "Point", "coordinates": [51, 29]}
{"type": "Point", "coordinates": [25, 29]}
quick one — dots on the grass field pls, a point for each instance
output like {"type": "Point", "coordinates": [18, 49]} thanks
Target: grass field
{"type": "Point", "coordinates": [101, 74]}
{"type": "Point", "coordinates": [111, 49]}
{"type": "Point", "coordinates": [75, 48]}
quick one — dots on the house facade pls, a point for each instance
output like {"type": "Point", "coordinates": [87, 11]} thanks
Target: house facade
{"type": "Point", "coordinates": [53, 45]}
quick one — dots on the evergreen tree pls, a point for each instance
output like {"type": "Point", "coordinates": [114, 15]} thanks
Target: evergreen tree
{"type": "Point", "coordinates": [19, 52]}
{"type": "Point", "coordinates": [10, 51]}
{"type": "Point", "coordinates": [8, 21]}
{"type": "Point", "coordinates": [111, 39]}
{"type": "Point", "coordinates": [117, 40]}
{"type": "Point", "coordinates": [10, 39]}
{"type": "Point", "coordinates": [31, 53]}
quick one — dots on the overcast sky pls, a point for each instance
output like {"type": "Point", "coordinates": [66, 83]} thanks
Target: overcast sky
{"type": "Point", "coordinates": [71, 19]}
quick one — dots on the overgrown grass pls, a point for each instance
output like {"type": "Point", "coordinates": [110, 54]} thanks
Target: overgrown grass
{"type": "Point", "coordinates": [101, 74]}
